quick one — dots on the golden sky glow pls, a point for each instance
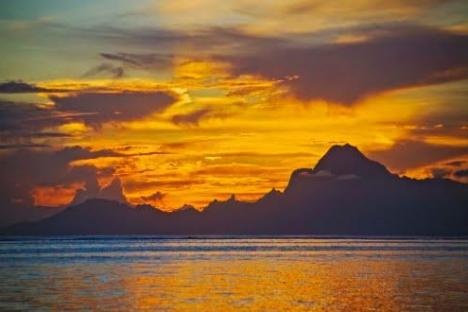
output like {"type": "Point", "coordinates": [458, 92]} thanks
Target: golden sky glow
{"type": "Point", "coordinates": [194, 103]}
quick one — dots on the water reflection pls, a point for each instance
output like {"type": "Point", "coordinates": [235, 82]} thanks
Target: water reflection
{"type": "Point", "coordinates": [298, 274]}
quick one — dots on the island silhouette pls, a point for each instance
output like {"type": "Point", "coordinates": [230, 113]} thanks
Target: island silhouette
{"type": "Point", "coordinates": [344, 194]}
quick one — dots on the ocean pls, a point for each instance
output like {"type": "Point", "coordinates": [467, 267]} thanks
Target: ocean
{"type": "Point", "coordinates": [128, 273]}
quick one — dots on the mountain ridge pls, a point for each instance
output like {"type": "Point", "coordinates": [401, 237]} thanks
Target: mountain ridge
{"type": "Point", "coordinates": [345, 193]}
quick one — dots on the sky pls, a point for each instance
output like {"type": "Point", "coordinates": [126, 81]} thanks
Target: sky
{"type": "Point", "coordinates": [187, 101]}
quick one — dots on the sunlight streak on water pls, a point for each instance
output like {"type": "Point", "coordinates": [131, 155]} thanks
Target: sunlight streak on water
{"type": "Point", "coordinates": [233, 274]}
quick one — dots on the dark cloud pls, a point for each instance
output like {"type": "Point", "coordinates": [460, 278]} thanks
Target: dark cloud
{"type": "Point", "coordinates": [19, 87]}
{"type": "Point", "coordinates": [347, 73]}
{"type": "Point", "coordinates": [105, 68]}
{"type": "Point", "coordinates": [14, 146]}
{"type": "Point", "coordinates": [48, 135]}
{"type": "Point", "coordinates": [21, 126]}
{"type": "Point", "coordinates": [300, 7]}
{"type": "Point", "coordinates": [24, 169]}
{"type": "Point", "coordinates": [158, 196]}
{"type": "Point", "coordinates": [451, 170]}
{"type": "Point", "coordinates": [78, 152]}
{"type": "Point", "coordinates": [164, 43]}
{"type": "Point", "coordinates": [412, 154]}
{"type": "Point", "coordinates": [452, 114]}
{"type": "Point", "coordinates": [146, 36]}
{"type": "Point", "coordinates": [456, 163]}
{"type": "Point", "coordinates": [23, 87]}
{"type": "Point", "coordinates": [222, 39]}
{"type": "Point", "coordinates": [141, 61]}
{"type": "Point", "coordinates": [24, 123]}
{"type": "Point", "coordinates": [394, 56]}
{"type": "Point", "coordinates": [48, 167]}
{"type": "Point", "coordinates": [461, 173]}
{"type": "Point", "coordinates": [112, 191]}
{"type": "Point", "coordinates": [192, 118]}
{"type": "Point", "coordinates": [422, 130]}
{"type": "Point", "coordinates": [446, 119]}
{"type": "Point", "coordinates": [16, 116]}
{"type": "Point", "coordinates": [440, 173]}
{"type": "Point", "coordinates": [145, 154]}
{"type": "Point", "coordinates": [98, 108]}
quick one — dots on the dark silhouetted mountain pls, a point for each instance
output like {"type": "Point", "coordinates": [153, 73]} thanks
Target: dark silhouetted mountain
{"type": "Point", "coordinates": [345, 194]}
{"type": "Point", "coordinates": [348, 160]}
{"type": "Point", "coordinates": [25, 213]}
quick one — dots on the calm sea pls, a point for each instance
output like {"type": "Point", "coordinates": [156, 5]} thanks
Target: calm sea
{"type": "Point", "coordinates": [233, 274]}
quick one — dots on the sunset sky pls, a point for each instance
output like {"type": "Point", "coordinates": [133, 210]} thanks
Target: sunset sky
{"type": "Point", "coordinates": [187, 101]}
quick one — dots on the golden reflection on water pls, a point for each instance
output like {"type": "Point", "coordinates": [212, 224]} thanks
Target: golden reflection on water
{"type": "Point", "coordinates": [358, 280]}
{"type": "Point", "coordinates": [285, 286]}
{"type": "Point", "coordinates": [253, 285]}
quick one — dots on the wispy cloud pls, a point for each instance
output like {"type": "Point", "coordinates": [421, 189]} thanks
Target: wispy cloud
{"type": "Point", "coordinates": [98, 108]}
{"type": "Point", "coordinates": [347, 73]}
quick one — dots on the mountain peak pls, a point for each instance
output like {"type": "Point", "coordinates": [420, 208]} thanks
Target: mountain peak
{"type": "Point", "coordinates": [347, 159]}
{"type": "Point", "coordinates": [271, 195]}
{"type": "Point", "coordinates": [345, 149]}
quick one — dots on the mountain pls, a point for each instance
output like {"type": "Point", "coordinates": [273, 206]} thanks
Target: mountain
{"type": "Point", "coordinates": [348, 160]}
{"type": "Point", "coordinates": [344, 194]}
{"type": "Point", "coordinates": [25, 213]}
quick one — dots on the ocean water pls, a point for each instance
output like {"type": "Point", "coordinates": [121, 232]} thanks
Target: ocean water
{"type": "Point", "coordinates": [130, 273]}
